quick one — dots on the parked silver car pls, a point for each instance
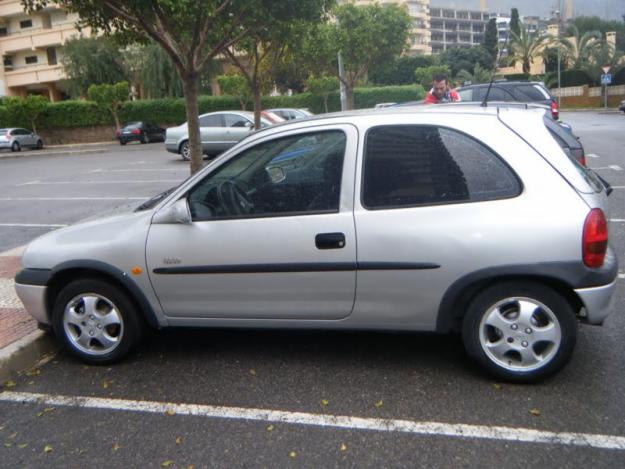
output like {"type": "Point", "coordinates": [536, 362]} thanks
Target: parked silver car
{"type": "Point", "coordinates": [219, 131]}
{"type": "Point", "coordinates": [442, 219]}
{"type": "Point", "coordinates": [17, 138]}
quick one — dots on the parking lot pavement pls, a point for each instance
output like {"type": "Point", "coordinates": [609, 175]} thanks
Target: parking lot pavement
{"type": "Point", "coordinates": [240, 398]}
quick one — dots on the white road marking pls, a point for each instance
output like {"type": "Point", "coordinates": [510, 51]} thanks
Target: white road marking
{"type": "Point", "coordinates": [457, 430]}
{"type": "Point", "coordinates": [132, 170]}
{"type": "Point", "coordinates": [73, 183]}
{"type": "Point", "coordinates": [618, 187]}
{"type": "Point", "coordinates": [592, 155]}
{"type": "Point", "coordinates": [621, 275]}
{"type": "Point", "coordinates": [613, 167]}
{"type": "Point", "coordinates": [13, 199]}
{"type": "Point", "coordinates": [617, 220]}
{"type": "Point", "coordinates": [32, 225]}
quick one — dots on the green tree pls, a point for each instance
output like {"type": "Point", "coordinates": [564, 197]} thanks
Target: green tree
{"type": "Point", "coordinates": [157, 73]}
{"type": "Point", "coordinates": [525, 47]}
{"type": "Point", "coordinates": [191, 32]}
{"type": "Point", "coordinates": [91, 61]}
{"type": "Point", "coordinates": [515, 23]}
{"type": "Point", "coordinates": [424, 75]}
{"type": "Point", "coordinates": [364, 35]}
{"type": "Point", "coordinates": [110, 97]}
{"type": "Point", "coordinates": [400, 71]}
{"type": "Point", "coordinates": [26, 109]}
{"type": "Point", "coordinates": [479, 75]}
{"type": "Point", "coordinates": [491, 38]}
{"type": "Point", "coordinates": [465, 59]}
{"type": "Point", "coordinates": [594, 23]}
{"type": "Point", "coordinates": [235, 84]}
{"type": "Point", "coordinates": [604, 54]}
{"type": "Point", "coordinates": [581, 47]}
{"type": "Point", "coordinates": [322, 86]}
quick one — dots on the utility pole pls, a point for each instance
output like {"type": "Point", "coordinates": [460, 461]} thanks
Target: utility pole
{"type": "Point", "coordinates": [342, 84]}
{"type": "Point", "coordinates": [559, 18]}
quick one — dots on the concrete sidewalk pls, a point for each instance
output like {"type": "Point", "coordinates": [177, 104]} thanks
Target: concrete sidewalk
{"type": "Point", "coordinates": [69, 149]}
{"type": "Point", "coordinates": [21, 344]}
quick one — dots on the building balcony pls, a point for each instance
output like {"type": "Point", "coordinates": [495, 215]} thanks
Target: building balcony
{"type": "Point", "coordinates": [11, 8]}
{"type": "Point", "coordinates": [39, 38]}
{"type": "Point", "coordinates": [33, 75]}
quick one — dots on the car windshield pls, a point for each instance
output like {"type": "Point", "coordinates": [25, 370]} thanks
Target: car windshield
{"type": "Point", "coordinates": [133, 124]}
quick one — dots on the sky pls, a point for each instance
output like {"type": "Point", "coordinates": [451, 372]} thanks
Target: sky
{"type": "Point", "coordinates": [606, 9]}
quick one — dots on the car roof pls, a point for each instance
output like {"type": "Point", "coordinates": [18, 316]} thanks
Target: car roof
{"type": "Point", "coordinates": [242, 113]}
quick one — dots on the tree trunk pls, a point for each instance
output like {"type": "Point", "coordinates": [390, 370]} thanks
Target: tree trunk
{"type": "Point", "coordinates": [190, 88]}
{"type": "Point", "coordinates": [116, 119]}
{"type": "Point", "coordinates": [257, 106]}
{"type": "Point", "coordinates": [349, 95]}
{"type": "Point", "coordinates": [325, 102]}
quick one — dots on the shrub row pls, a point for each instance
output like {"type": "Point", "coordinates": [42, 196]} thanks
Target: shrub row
{"type": "Point", "coordinates": [67, 114]}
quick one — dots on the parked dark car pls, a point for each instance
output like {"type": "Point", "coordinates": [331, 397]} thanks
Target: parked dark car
{"type": "Point", "coordinates": [144, 132]}
{"type": "Point", "coordinates": [519, 91]}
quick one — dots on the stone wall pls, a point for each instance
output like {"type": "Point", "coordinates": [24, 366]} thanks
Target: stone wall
{"type": "Point", "coordinates": [95, 134]}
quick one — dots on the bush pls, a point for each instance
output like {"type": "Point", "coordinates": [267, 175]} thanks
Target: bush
{"type": "Point", "coordinates": [171, 111]}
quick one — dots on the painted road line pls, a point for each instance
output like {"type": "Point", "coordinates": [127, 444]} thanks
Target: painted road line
{"type": "Point", "coordinates": [618, 187]}
{"type": "Point", "coordinates": [132, 170]}
{"type": "Point", "coordinates": [73, 183]}
{"type": "Point", "coordinates": [613, 167]}
{"type": "Point", "coordinates": [18, 199]}
{"type": "Point", "coordinates": [617, 220]}
{"type": "Point", "coordinates": [592, 155]}
{"type": "Point", "coordinates": [621, 275]}
{"type": "Point", "coordinates": [32, 225]}
{"type": "Point", "coordinates": [457, 430]}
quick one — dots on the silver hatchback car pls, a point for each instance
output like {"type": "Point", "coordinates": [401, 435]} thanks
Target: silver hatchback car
{"type": "Point", "coordinates": [17, 138]}
{"type": "Point", "coordinates": [463, 219]}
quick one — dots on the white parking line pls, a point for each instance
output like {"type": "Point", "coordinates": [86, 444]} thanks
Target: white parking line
{"type": "Point", "coordinates": [131, 170]}
{"type": "Point", "coordinates": [32, 225]}
{"type": "Point", "coordinates": [613, 167]}
{"type": "Point", "coordinates": [14, 199]}
{"type": "Point", "coordinates": [592, 155]}
{"type": "Point", "coordinates": [73, 183]}
{"type": "Point", "coordinates": [617, 220]}
{"type": "Point", "coordinates": [618, 187]}
{"type": "Point", "coordinates": [621, 275]}
{"type": "Point", "coordinates": [458, 430]}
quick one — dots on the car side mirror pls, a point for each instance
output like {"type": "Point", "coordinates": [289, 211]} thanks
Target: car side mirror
{"type": "Point", "coordinates": [178, 213]}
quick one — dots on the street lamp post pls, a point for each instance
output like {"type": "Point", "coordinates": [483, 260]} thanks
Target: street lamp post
{"type": "Point", "coordinates": [558, 16]}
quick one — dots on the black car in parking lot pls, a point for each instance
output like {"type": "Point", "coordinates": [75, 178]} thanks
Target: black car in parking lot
{"type": "Point", "coordinates": [519, 91]}
{"type": "Point", "coordinates": [144, 132]}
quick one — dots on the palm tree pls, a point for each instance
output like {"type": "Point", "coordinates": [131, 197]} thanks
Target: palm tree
{"type": "Point", "coordinates": [604, 54]}
{"type": "Point", "coordinates": [580, 48]}
{"type": "Point", "coordinates": [479, 75]}
{"type": "Point", "coordinates": [525, 46]}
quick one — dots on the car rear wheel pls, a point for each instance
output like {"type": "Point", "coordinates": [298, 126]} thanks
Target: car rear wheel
{"type": "Point", "coordinates": [144, 138]}
{"type": "Point", "coordinates": [96, 321]}
{"type": "Point", "coordinates": [16, 147]}
{"type": "Point", "coordinates": [185, 150]}
{"type": "Point", "coordinates": [520, 331]}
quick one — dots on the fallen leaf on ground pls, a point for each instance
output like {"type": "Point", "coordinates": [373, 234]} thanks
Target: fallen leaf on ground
{"type": "Point", "coordinates": [13, 435]}
{"type": "Point", "coordinates": [190, 466]}
{"type": "Point", "coordinates": [8, 445]}
{"type": "Point", "coordinates": [116, 447]}
{"type": "Point", "coordinates": [45, 411]}
{"type": "Point", "coordinates": [10, 384]}
{"type": "Point", "coordinates": [167, 463]}
{"type": "Point", "coordinates": [324, 402]}
{"type": "Point", "coordinates": [170, 412]}
{"type": "Point", "coordinates": [535, 412]}
{"type": "Point", "coordinates": [292, 454]}
{"type": "Point", "coordinates": [269, 427]}
{"type": "Point", "coordinates": [31, 382]}
{"type": "Point", "coordinates": [33, 372]}
{"type": "Point", "coordinates": [379, 403]}
{"type": "Point", "coordinates": [496, 386]}
{"type": "Point", "coordinates": [343, 447]}
{"type": "Point", "coordinates": [253, 371]}
{"type": "Point", "coordinates": [178, 440]}
{"type": "Point", "coordinates": [47, 449]}
{"type": "Point", "coordinates": [22, 445]}
{"type": "Point", "coordinates": [106, 384]}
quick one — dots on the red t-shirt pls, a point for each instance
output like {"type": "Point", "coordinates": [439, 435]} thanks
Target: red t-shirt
{"type": "Point", "coordinates": [431, 98]}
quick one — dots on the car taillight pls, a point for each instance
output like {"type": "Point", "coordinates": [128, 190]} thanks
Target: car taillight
{"type": "Point", "coordinates": [578, 153]}
{"type": "Point", "coordinates": [135, 131]}
{"type": "Point", "coordinates": [555, 110]}
{"type": "Point", "coordinates": [595, 238]}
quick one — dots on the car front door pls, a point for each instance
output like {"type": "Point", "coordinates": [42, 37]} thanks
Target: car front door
{"type": "Point", "coordinates": [214, 138]}
{"type": "Point", "coordinates": [237, 127]}
{"type": "Point", "coordinates": [272, 234]}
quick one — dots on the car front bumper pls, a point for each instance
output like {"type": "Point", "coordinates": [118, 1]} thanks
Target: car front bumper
{"type": "Point", "coordinates": [34, 299]}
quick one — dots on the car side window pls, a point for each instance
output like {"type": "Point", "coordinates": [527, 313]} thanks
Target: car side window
{"type": "Point", "coordinates": [412, 165]}
{"type": "Point", "coordinates": [211, 121]}
{"type": "Point", "coordinates": [234, 120]}
{"type": "Point", "coordinates": [295, 175]}
{"type": "Point", "coordinates": [529, 93]}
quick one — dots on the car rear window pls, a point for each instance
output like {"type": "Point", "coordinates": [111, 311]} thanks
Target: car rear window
{"type": "Point", "coordinates": [530, 93]}
{"type": "Point", "coordinates": [411, 165]}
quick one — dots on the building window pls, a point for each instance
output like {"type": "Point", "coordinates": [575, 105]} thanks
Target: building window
{"type": "Point", "coordinates": [51, 52]}
{"type": "Point", "coordinates": [26, 24]}
{"type": "Point", "coordinates": [31, 59]}
{"type": "Point", "coordinates": [4, 31]}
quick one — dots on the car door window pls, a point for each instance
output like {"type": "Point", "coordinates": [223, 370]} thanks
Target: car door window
{"type": "Point", "coordinates": [211, 121]}
{"type": "Point", "coordinates": [234, 120]}
{"type": "Point", "coordinates": [415, 165]}
{"type": "Point", "coordinates": [530, 93]}
{"type": "Point", "coordinates": [299, 174]}
{"type": "Point", "coordinates": [495, 94]}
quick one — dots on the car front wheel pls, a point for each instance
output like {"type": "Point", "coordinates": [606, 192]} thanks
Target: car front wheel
{"type": "Point", "coordinates": [96, 321]}
{"type": "Point", "coordinates": [520, 331]}
{"type": "Point", "coordinates": [185, 151]}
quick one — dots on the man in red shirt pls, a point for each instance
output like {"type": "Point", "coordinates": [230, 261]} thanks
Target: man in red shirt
{"type": "Point", "coordinates": [440, 92]}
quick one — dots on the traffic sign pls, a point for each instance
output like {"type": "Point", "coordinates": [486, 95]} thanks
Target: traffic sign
{"type": "Point", "coordinates": [606, 79]}
{"type": "Point", "coordinates": [605, 68]}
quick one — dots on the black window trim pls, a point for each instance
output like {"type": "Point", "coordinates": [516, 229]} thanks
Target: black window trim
{"type": "Point", "coordinates": [432, 204]}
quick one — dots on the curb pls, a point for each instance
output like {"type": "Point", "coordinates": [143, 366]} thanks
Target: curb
{"type": "Point", "coordinates": [25, 353]}
{"type": "Point", "coordinates": [52, 153]}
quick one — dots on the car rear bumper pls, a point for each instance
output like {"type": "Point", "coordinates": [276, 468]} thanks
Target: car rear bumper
{"type": "Point", "coordinates": [171, 146]}
{"type": "Point", "coordinates": [6, 144]}
{"type": "Point", "coordinates": [598, 302]}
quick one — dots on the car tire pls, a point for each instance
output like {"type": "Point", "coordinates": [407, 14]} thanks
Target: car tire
{"type": "Point", "coordinates": [185, 150]}
{"type": "Point", "coordinates": [96, 321]}
{"type": "Point", "coordinates": [122, 142]}
{"type": "Point", "coordinates": [520, 331]}
{"type": "Point", "coordinates": [16, 147]}
{"type": "Point", "coordinates": [144, 138]}
{"type": "Point", "coordinates": [39, 145]}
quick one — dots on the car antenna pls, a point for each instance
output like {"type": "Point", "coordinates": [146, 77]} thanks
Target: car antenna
{"type": "Point", "coordinates": [492, 78]}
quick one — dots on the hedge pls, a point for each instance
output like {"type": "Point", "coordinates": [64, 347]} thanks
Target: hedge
{"type": "Point", "coordinates": [67, 114]}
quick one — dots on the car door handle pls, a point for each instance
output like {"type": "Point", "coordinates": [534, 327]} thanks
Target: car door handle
{"type": "Point", "coordinates": [330, 241]}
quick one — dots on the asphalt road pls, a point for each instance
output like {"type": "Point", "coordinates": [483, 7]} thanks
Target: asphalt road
{"type": "Point", "coordinates": [372, 379]}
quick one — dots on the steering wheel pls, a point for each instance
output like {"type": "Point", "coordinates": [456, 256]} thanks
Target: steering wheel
{"type": "Point", "coordinates": [234, 199]}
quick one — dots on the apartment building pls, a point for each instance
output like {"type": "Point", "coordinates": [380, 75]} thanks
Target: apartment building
{"type": "Point", "coordinates": [456, 28]}
{"type": "Point", "coordinates": [419, 11]}
{"type": "Point", "coordinates": [31, 49]}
